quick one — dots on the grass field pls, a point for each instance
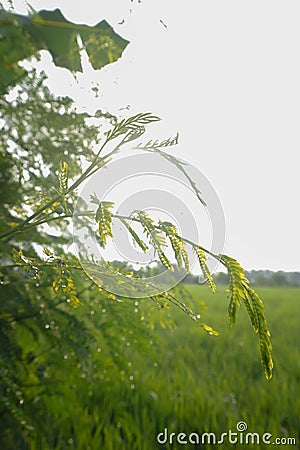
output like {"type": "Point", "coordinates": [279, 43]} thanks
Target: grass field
{"type": "Point", "coordinates": [186, 381]}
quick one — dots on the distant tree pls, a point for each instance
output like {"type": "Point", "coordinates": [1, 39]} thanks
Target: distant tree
{"type": "Point", "coordinates": [270, 278]}
{"type": "Point", "coordinates": [222, 278]}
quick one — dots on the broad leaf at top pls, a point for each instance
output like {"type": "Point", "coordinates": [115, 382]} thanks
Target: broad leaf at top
{"type": "Point", "coordinates": [22, 36]}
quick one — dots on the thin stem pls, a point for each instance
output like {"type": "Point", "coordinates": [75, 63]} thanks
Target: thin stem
{"type": "Point", "coordinates": [120, 217]}
{"type": "Point", "coordinates": [37, 264]}
{"type": "Point", "coordinates": [180, 165]}
{"type": "Point", "coordinates": [187, 241]}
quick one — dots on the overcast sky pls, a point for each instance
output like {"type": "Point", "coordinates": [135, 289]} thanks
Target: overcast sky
{"type": "Point", "coordinates": [225, 75]}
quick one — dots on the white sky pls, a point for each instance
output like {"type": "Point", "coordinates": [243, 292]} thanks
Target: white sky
{"type": "Point", "coordinates": [225, 74]}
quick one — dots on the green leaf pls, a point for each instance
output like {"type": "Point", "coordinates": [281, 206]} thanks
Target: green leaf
{"type": "Point", "coordinates": [155, 238]}
{"type": "Point", "coordinates": [261, 327]}
{"type": "Point", "coordinates": [133, 125]}
{"type": "Point", "coordinates": [238, 292]}
{"type": "Point", "coordinates": [135, 236]}
{"type": "Point", "coordinates": [211, 331]}
{"type": "Point", "coordinates": [63, 176]}
{"type": "Point", "coordinates": [50, 30]}
{"type": "Point", "coordinates": [66, 285]}
{"type": "Point", "coordinates": [102, 44]}
{"type": "Point", "coordinates": [104, 219]}
{"type": "Point", "coordinates": [177, 244]}
{"type": "Point", "coordinates": [157, 144]}
{"type": "Point", "coordinates": [205, 270]}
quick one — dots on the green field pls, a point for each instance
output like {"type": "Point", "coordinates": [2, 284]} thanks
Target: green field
{"type": "Point", "coordinates": [132, 386]}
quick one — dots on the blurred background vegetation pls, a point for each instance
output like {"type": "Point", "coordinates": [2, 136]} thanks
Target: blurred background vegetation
{"type": "Point", "coordinates": [110, 375]}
